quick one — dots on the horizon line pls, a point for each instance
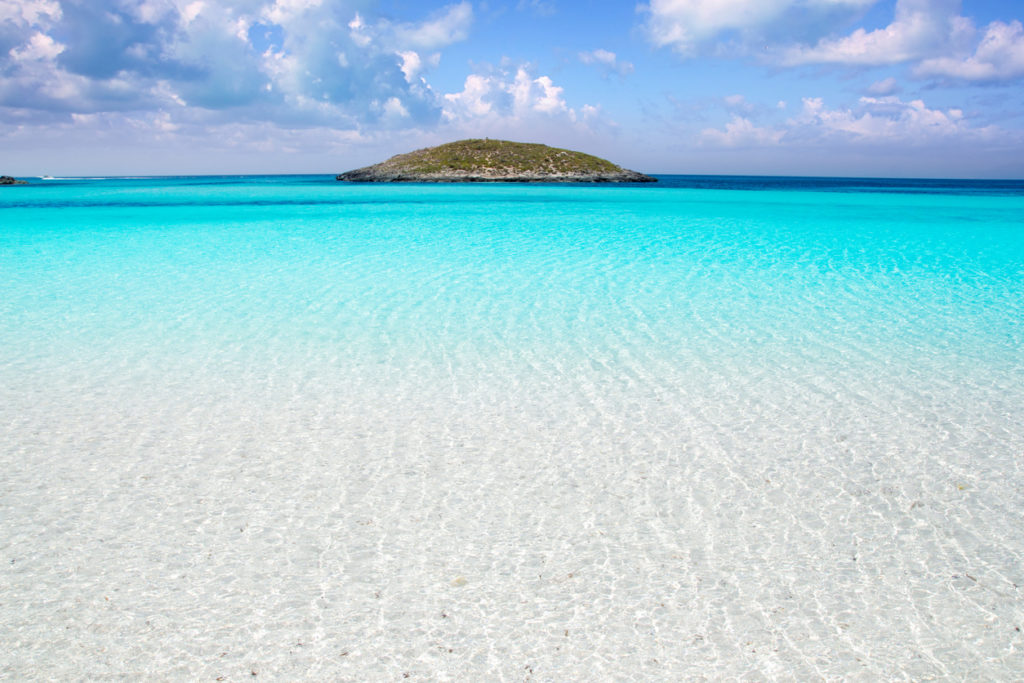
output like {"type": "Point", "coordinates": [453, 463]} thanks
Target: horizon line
{"type": "Point", "coordinates": [147, 176]}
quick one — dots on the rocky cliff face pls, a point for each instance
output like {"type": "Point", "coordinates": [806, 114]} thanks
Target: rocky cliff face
{"type": "Point", "coordinates": [8, 180]}
{"type": "Point", "coordinates": [495, 161]}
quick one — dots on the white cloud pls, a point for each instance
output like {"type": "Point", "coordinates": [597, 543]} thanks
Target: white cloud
{"type": "Point", "coordinates": [886, 86]}
{"type": "Point", "coordinates": [163, 123]}
{"type": "Point", "coordinates": [933, 34]}
{"type": "Point", "coordinates": [39, 47]}
{"type": "Point", "coordinates": [394, 109]}
{"type": "Point", "coordinates": [515, 103]}
{"type": "Point", "coordinates": [150, 11]}
{"type": "Point", "coordinates": [504, 95]}
{"type": "Point", "coordinates": [357, 31]}
{"type": "Point", "coordinates": [607, 60]}
{"type": "Point", "coordinates": [474, 100]}
{"type": "Point", "coordinates": [686, 24]}
{"type": "Point", "coordinates": [296, 62]}
{"type": "Point", "coordinates": [999, 56]}
{"type": "Point", "coordinates": [541, 94]}
{"type": "Point", "coordinates": [412, 64]}
{"type": "Point", "coordinates": [740, 132]}
{"type": "Point", "coordinates": [886, 120]}
{"type": "Point", "coordinates": [28, 12]}
{"type": "Point", "coordinates": [598, 56]}
{"type": "Point", "coordinates": [739, 103]}
{"type": "Point", "coordinates": [919, 28]}
{"type": "Point", "coordinates": [158, 142]}
{"type": "Point", "coordinates": [449, 27]}
{"type": "Point", "coordinates": [283, 11]}
{"type": "Point", "coordinates": [191, 11]}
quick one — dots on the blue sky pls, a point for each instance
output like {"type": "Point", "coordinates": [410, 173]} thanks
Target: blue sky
{"type": "Point", "coordinates": [791, 87]}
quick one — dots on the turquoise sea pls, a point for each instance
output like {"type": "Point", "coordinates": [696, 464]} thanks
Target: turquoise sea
{"type": "Point", "coordinates": [764, 428]}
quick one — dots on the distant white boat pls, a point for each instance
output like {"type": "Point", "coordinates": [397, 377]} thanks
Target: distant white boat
{"type": "Point", "coordinates": [47, 177]}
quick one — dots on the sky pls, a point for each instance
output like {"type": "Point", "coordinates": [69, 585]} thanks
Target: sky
{"type": "Point", "coordinates": [884, 88]}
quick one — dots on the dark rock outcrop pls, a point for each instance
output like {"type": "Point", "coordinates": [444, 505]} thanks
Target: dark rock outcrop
{"type": "Point", "coordinates": [8, 180]}
{"type": "Point", "coordinates": [476, 161]}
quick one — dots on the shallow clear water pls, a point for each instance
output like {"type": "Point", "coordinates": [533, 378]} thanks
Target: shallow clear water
{"type": "Point", "coordinates": [760, 428]}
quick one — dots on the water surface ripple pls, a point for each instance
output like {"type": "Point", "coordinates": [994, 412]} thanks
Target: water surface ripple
{"type": "Point", "coordinates": [325, 431]}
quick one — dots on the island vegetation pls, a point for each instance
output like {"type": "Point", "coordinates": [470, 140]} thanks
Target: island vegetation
{"type": "Point", "coordinates": [8, 180]}
{"type": "Point", "coordinates": [495, 161]}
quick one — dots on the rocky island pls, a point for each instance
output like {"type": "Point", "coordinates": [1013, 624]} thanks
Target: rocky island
{"type": "Point", "coordinates": [8, 180]}
{"type": "Point", "coordinates": [468, 161]}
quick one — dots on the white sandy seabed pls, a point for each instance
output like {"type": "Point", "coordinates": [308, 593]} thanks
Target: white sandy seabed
{"type": "Point", "coordinates": [603, 519]}
{"type": "Point", "coordinates": [753, 439]}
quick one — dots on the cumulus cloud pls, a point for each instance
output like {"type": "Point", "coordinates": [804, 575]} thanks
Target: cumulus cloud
{"type": "Point", "coordinates": [999, 56]}
{"type": "Point", "coordinates": [503, 95]}
{"type": "Point", "coordinates": [394, 109]}
{"type": "Point", "coordinates": [919, 28]}
{"type": "Point", "coordinates": [514, 102]}
{"type": "Point", "coordinates": [886, 120]}
{"type": "Point", "coordinates": [686, 25]}
{"type": "Point", "coordinates": [607, 61]}
{"type": "Point", "coordinates": [28, 12]}
{"type": "Point", "coordinates": [932, 34]}
{"type": "Point", "coordinates": [39, 47]}
{"type": "Point", "coordinates": [413, 64]}
{"type": "Point", "coordinates": [296, 62]}
{"type": "Point", "coordinates": [540, 94]}
{"type": "Point", "coordinates": [479, 97]}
